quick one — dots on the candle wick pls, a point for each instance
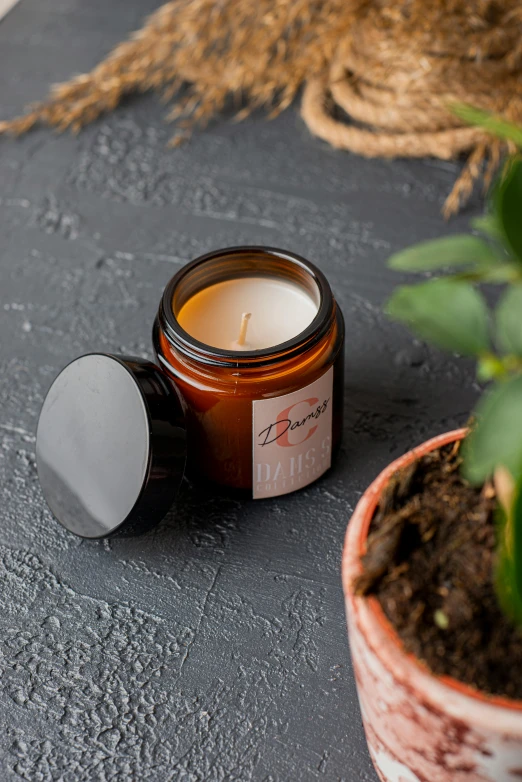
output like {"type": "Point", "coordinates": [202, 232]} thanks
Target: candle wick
{"type": "Point", "coordinates": [245, 317]}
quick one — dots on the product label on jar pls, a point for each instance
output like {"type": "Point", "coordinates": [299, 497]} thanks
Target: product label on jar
{"type": "Point", "coordinates": [292, 438]}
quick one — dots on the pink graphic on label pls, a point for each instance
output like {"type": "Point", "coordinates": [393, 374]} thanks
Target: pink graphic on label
{"type": "Point", "coordinates": [292, 438]}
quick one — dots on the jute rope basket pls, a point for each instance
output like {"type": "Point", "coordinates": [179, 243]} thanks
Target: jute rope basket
{"type": "Point", "coordinates": [379, 78]}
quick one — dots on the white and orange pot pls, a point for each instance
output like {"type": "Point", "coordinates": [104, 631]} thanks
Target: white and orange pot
{"type": "Point", "coordinates": [420, 727]}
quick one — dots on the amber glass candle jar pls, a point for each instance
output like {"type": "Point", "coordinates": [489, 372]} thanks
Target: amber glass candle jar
{"type": "Point", "coordinates": [266, 420]}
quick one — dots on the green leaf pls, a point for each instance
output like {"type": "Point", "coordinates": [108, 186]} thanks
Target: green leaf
{"type": "Point", "coordinates": [508, 571]}
{"type": "Point", "coordinates": [490, 367]}
{"type": "Point", "coordinates": [490, 122]}
{"type": "Point", "coordinates": [449, 251]}
{"type": "Point", "coordinates": [508, 200]}
{"type": "Point", "coordinates": [487, 224]}
{"type": "Point", "coordinates": [502, 272]}
{"type": "Point", "coordinates": [449, 313]}
{"type": "Point", "coordinates": [497, 437]}
{"type": "Point", "coordinates": [509, 321]}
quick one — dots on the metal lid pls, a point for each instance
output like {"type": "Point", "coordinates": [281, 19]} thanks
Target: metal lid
{"type": "Point", "coordinates": [110, 446]}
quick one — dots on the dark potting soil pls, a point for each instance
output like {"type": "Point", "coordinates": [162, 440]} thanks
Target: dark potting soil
{"type": "Point", "coordinates": [430, 562]}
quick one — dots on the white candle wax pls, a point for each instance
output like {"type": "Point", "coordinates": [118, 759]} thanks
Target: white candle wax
{"type": "Point", "coordinates": [279, 310]}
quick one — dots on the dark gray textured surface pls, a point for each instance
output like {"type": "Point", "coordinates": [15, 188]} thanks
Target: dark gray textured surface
{"type": "Point", "coordinates": [215, 647]}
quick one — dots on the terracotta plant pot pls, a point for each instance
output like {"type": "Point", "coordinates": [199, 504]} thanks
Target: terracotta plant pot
{"type": "Point", "coordinates": [420, 727]}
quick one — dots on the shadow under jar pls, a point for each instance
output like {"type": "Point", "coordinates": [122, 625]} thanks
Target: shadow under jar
{"type": "Point", "coordinates": [265, 419]}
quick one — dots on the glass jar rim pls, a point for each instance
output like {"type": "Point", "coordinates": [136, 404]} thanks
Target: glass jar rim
{"type": "Point", "coordinates": [207, 354]}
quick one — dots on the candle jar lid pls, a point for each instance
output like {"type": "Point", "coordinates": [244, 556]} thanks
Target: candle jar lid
{"type": "Point", "coordinates": [110, 446]}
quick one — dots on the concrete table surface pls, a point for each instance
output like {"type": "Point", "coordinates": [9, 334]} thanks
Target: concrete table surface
{"type": "Point", "coordinates": [213, 648]}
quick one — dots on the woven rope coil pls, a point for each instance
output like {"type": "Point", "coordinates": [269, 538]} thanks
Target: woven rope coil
{"type": "Point", "coordinates": [397, 75]}
{"type": "Point", "coordinates": [392, 68]}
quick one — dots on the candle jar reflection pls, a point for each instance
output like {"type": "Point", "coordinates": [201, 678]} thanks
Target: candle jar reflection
{"type": "Point", "coordinates": [262, 420]}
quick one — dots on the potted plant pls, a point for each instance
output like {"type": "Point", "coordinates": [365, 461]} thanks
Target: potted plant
{"type": "Point", "coordinates": [432, 562]}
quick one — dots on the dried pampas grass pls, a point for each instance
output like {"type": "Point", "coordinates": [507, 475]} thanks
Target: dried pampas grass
{"type": "Point", "coordinates": [392, 68]}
